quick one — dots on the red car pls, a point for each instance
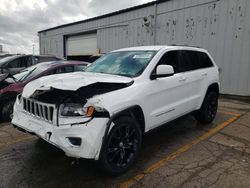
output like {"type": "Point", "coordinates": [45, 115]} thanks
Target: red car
{"type": "Point", "coordinates": [12, 85]}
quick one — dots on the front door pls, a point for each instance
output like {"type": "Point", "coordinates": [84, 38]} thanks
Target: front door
{"type": "Point", "coordinates": [167, 95]}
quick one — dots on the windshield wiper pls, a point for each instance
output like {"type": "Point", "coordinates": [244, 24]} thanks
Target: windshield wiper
{"type": "Point", "coordinates": [25, 76]}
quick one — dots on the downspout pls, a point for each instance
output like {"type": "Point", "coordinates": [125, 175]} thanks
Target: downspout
{"type": "Point", "coordinates": [155, 22]}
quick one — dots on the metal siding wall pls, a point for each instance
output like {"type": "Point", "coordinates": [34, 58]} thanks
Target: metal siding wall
{"type": "Point", "coordinates": [245, 79]}
{"type": "Point", "coordinates": [236, 63]}
{"type": "Point", "coordinates": [233, 40]}
{"type": "Point", "coordinates": [220, 26]}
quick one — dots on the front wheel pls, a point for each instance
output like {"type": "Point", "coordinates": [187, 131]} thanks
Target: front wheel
{"type": "Point", "coordinates": [208, 109]}
{"type": "Point", "coordinates": [121, 147]}
{"type": "Point", "coordinates": [7, 110]}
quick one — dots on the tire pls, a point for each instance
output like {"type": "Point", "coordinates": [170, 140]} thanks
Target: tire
{"type": "Point", "coordinates": [121, 146]}
{"type": "Point", "coordinates": [208, 110]}
{"type": "Point", "coordinates": [7, 110]}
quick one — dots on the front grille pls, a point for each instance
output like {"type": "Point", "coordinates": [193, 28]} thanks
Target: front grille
{"type": "Point", "coordinates": [38, 109]}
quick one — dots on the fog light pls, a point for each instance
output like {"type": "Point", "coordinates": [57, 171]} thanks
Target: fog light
{"type": "Point", "coordinates": [74, 141]}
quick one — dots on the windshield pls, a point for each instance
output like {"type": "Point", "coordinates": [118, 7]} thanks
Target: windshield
{"type": "Point", "coordinates": [126, 63]}
{"type": "Point", "coordinates": [31, 72]}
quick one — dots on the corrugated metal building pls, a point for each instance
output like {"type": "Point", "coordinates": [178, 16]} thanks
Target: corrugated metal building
{"type": "Point", "coordinates": [220, 26]}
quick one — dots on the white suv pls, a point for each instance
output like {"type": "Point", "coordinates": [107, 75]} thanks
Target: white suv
{"type": "Point", "coordinates": [102, 113]}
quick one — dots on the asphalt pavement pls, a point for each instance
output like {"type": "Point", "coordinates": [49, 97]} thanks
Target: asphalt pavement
{"type": "Point", "coordinates": [182, 153]}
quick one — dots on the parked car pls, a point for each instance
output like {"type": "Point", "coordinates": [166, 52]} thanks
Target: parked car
{"type": "Point", "coordinates": [11, 86]}
{"type": "Point", "coordinates": [16, 63]}
{"type": "Point", "coordinates": [94, 57]}
{"type": "Point", "coordinates": [4, 55]}
{"type": "Point", "coordinates": [103, 113]}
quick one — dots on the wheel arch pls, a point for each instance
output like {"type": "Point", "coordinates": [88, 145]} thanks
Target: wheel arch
{"type": "Point", "coordinates": [7, 97]}
{"type": "Point", "coordinates": [135, 112]}
{"type": "Point", "coordinates": [131, 111]}
{"type": "Point", "coordinates": [213, 87]}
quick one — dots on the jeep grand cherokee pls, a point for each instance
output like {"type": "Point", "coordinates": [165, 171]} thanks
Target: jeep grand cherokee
{"type": "Point", "coordinates": [103, 113]}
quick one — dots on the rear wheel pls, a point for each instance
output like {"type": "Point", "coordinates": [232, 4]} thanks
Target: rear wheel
{"type": "Point", "coordinates": [122, 146]}
{"type": "Point", "coordinates": [208, 109]}
{"type": "Point", "coordinates": [7, 110]}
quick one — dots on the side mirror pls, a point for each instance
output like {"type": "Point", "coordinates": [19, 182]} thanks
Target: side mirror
{"type": "Point", "coordinates": [163, 71]}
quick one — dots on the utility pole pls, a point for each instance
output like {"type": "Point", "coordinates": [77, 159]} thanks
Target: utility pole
{"type": "Point", "coordinates": [33, 45]}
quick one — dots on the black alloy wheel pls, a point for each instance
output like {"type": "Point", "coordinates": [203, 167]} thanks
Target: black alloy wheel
{"type": "Point", "coordinates": [212, 108]}
{"type": "Point", "coordinates": [208, 111]}
{"type": "Point", "coordinates": [122, 146]}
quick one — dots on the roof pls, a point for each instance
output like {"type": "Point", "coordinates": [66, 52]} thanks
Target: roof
{"type": "Point", "coordinates": [157, 48]}
{"type": "Point", "coordinates": [54, 64]}
{"type": "Point", "coordinates": [140, 48]}
{"type": "Point", "coordinates": [107, 15]}
{"type": "Point", "coordinates": [59, 62]}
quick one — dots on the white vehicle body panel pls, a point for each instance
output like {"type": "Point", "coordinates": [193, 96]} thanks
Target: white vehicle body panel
{"type": "Point", "coordinates": [161, 101]}
{"type": "Point", "coordinates": [72, 82]}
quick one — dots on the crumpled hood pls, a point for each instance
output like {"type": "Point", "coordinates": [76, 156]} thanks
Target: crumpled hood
{"type": "Point", "coordinates": [72, 81]}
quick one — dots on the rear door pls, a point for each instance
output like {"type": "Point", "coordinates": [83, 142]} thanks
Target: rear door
{"type": "Point", "coordinates": [192, 77]}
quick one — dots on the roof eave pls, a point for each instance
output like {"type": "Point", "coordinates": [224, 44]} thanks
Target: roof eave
{"type": "Point", "coordinates": [106, 15]}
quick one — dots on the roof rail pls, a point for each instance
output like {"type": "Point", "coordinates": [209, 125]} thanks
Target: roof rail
{"type": "Point", "coordinates": [185, 45]}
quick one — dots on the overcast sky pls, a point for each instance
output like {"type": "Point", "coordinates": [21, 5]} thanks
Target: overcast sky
{"type": "Point", "coordinates": [21, 19]}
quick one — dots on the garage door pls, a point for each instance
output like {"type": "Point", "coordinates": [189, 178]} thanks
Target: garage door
{"type": "Point", "coordinates": [81, 45]}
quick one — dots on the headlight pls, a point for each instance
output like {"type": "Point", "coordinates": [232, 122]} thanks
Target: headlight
{"type": "Point", "coordinates": [74, 109]}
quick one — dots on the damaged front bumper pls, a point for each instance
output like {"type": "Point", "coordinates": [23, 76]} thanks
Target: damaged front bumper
{"type": "Point", "coordinates": [83, 140]}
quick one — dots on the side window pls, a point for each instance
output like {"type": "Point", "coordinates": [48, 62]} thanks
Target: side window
{"type": "Point", "coordinates": [204, 60]}
{"type": "Point", "coordinates": [80, 68]}
{"type": "Point", "coordinates": [51, 72]}
{"type": "Point", "coordinates": [189, 60]}
{"type": "Point", "coordinates": [69, 69]}
{"type": "Point", "coordinates": [14, 64]}
{"type": "Point", "coordinates": [170, 58]}
{"type": "Point", "coordinates": [66, 69]}
{"type": "Point", "coordinates": [24, 62]}
{"type": "Point", "coordinates": [30, 61]}
{"type": "Point", "coordinates": [35, 60]}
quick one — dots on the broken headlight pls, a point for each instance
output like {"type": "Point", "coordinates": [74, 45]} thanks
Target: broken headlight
{"type": "Point", "coordinates": [73, 109]}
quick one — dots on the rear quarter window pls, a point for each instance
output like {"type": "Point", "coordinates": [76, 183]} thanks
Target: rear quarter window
{"type": "Point", "coordinates": [189, 60]}
{"type": "Point", "coordinates": [194, 60]}
{"type": "Point", "coordinates": [204, 60]}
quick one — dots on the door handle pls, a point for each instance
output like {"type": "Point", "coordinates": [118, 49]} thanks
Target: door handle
{"type": "Point", "coordinates": [204, 74]}
{"type": "Point", "coordinates": [182, 79]}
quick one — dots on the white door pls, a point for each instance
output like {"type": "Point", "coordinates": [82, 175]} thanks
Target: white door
{"type": "Point", "coordinates": [81, 45]}
{"type": "Point", "coordinates": [166, 96]}
{"type": "Point", "coordinates": [194, 78]}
